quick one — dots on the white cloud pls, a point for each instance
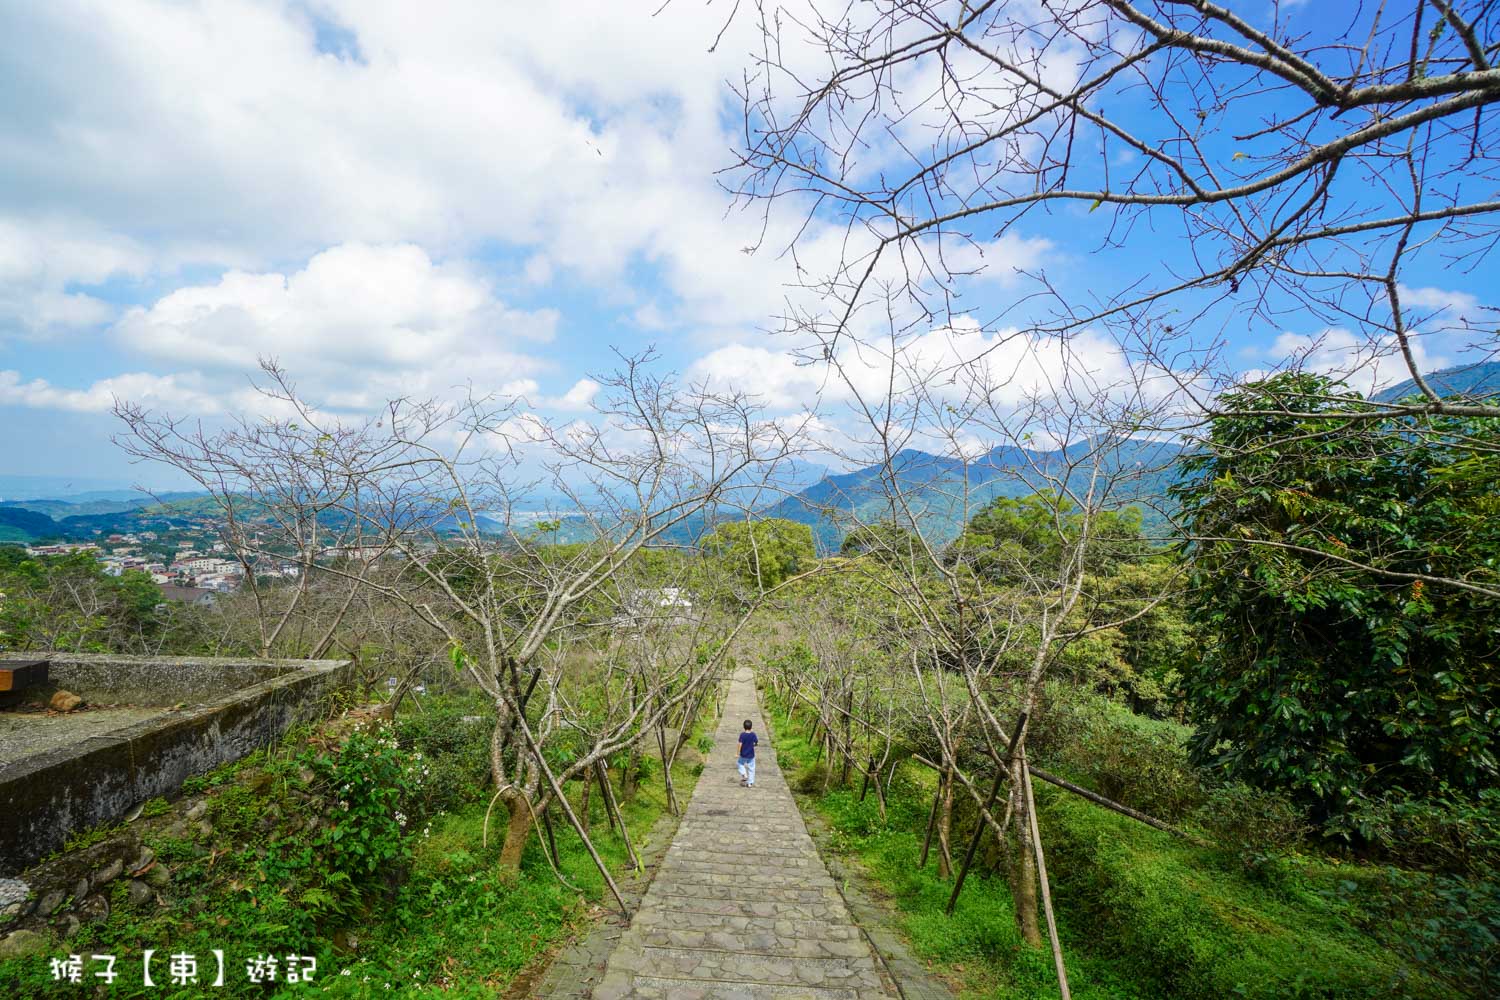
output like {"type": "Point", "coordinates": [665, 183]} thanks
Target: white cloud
{"type": "Point", "coordinates": [583, 133]}
{"type": "Point", "coordinates": [365, 323]}
{"type": "Point", "coordinates": [1365, 365]}
{"type": "Point", "coordinates": [38, 264]}
{"type": "Point", "coordinates": [172, 392]}
{"type": "Point", "coordinates": [1447, 306]}
{"type": "Point", "coordinates": [583, 136]}
{"type": "Point", "coordinates": [579, 397]}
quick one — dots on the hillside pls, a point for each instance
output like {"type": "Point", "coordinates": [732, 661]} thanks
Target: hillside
{"type": "Point", "coordinates": [943, 493]}
{"type": "Point", "coordinates": [1482, 379]}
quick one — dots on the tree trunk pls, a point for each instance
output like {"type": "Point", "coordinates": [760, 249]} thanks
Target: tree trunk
{"type": "Point", "coordinates": [1023, 873]}
{"type": "Point", "coordinates": [945, 827]}
{"type": "Point", "coordinates": [583, 809]}
{"type": "Point", "coordinates": [666, 773]}
{"type": "Point", "coordinates": [848, 741]}
{"type": "Point", "coordinates": [628, 774]}
{"type": "Point", "coordinates": [516, 832]}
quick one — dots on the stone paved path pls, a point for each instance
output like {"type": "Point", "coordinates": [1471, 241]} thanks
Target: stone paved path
{"type": "Point", "coordinates": [742, 908]}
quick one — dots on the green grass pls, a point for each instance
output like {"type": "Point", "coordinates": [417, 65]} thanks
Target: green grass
{"type": "Point", "coordinates": [1141, 914]}
{"type": "Point", "coordinates": [445, 921]}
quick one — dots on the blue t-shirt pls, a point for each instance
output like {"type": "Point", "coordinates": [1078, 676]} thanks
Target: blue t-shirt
{"type": "Point", "coordinates": [747, 745]}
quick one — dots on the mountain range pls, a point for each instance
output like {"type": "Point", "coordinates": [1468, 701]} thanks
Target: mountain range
{"type": "Point", "coordinates": [1481, 379]}
{"type": "Point", "coordinates": [942, 493]}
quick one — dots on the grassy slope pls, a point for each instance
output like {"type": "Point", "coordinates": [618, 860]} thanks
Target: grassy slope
{"type": "Point", "coordinates": [1142, 915]}
{"type": "Point", "coordinates": [452, 925]}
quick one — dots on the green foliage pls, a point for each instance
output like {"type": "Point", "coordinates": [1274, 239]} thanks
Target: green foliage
{"type": "Point", "coordinates": [438, 916]}
{"type": "Point", "coordinates": [1182, 926]}
{"type": "Point", "coordinates": [1329, 670]}
{"type": "Point", "coordinates": [68, 602]}
{"type": "Point", "coordinates": [1142, 914]}
{"type": "Point", "coordinates": [885, 541]}
{"type": "Point", "coordinates": [764, 553]}
{"type": "Point", "coordinates": [1032, 537]}
{"type": "Point", "coordinates": [1447, 925]}
{"type": "Point", "coordinates": [455, 752]}
{"type": "Point", "coordinates": [375, 783]}
{"type": "Point", "coordinates": [1127, 758]}
{"type": "Point", "coordinates": [1259, 826]}
{"type": "Point", "coordinates": [1441, 831]}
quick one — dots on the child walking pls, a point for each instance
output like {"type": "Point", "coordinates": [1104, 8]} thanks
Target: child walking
{"type": "Point", "coordinates": [748, 739]}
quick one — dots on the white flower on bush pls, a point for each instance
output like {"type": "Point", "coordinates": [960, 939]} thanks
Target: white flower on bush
{"type": "Point", "coordinates": [400, 818]}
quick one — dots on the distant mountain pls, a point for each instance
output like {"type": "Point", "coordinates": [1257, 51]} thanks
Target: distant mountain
{"type": "Point", "coordinates": [943, 493]}
{"type": "Point", "coordinates": [74, 488]}
{"type": "Point", "coordinates": [17, 524]}
{"type": "Point", "coordinates": [1481, 379]}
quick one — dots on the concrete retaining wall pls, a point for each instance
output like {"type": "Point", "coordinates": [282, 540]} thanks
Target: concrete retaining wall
{"type": "Point", "coordinates": [228, 708]}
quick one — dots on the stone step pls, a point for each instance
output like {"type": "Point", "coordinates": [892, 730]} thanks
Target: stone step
{"type": "Point", "coordinates": [830, 910]}
{"type": "Point", "coordinates": [658, 988]}
{"type": "Point", "coordinates": [740, 967]}
{"type": "Point", "coordinates": [742, 893]}
{"type": "Point", "coordinates": [658, 920]}
{"type": "Point", "coordinates": [742, 906]}
{"type": "Point", "coordinates": [759, 940]}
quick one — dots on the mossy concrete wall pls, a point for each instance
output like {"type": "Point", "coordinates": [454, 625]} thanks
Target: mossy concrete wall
{"type": "Point", "coordinates": [215, 711]}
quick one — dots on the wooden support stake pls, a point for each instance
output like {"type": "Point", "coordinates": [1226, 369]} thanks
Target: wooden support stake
{"type": "Point", "coordinates": [1123, 810]}
{"type": "Point", "coordinates": [932, 816]}
{"type": "Point", "coordinates": [614, 808]}
{"type": "Point", "coordinates": [1041, 874]}
{"type": "Point", "coordinates": [979, 827]}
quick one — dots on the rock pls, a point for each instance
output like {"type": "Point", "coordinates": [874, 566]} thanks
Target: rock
{"type": "Point", "coordinates": [94, 910]}
{"type": "Point", "coordinates": [10, 912]}
{"type": "Point", "coordinates": [177, 830]}
{"type": "Point", "coordinates": [205, 828]}
{"type": "Point", "coordinates": [71, 927]}
{"type": "Point", "coordinates": [19, 944]}
{"type": "Point", "coordinates": [196, 811]}
{"type": "Point", "coordinates": [140, 893]}
{"type": "Point", "coordinates": [80, 890]}
{"type": "Point", "coordinates": [49, 903]}
{"type": "Point", "coordinates": [108, 873]}
{"type": "Point", "coordinates": [143, 859]}
{"type": "Point", "coordinates": [64, 701]}
{"type": "Point", "coordinates": [13, 890]}
{"type": "Point", "coordinates": [158, 876]}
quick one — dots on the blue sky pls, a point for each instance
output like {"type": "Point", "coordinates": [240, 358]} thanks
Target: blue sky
{"type": "Point", "coordinates": [397, 199]}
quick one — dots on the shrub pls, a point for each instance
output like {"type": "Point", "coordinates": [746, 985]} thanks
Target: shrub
{"type": "Point", "coordinates": [1260, 825]}
{"type": "Point", "coordinates": [1446, 925]}
{"type": "Point", "coordinates": [1444, 832]}
{"type": "Point", "coordinates": [811, 778]}
{"type": "Point", "coordinates": [375, 785]}
{"type": "Point", "coordinates": [1136, 761]}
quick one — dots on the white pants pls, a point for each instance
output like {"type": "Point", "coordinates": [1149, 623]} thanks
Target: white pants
{"type": "Point", "coordinates": [747, 769]}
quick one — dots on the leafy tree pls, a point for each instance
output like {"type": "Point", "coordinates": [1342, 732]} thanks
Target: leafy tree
{"type": "Point", "coordinates": [763, 553]}
{"type": "Point", "coordinates": [68, 602]}
{"type": "Point", "coordinates": [887, 541]}
{"type": "Point", "coordinates": [1013, 539]}
{"type": "Point", "coordinates": [1141, 658]}
{"type": "Point", "coordinates": [1344, 571]}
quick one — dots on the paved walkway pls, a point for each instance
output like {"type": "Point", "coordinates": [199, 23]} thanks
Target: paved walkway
{"type": "Point", "coordinates": [742, 908]}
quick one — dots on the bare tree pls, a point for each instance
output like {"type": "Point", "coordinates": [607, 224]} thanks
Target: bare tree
{"type": "Point", "coordinates": [1275, 168]}
{"type": "Point", "coordinates": [513, 540]}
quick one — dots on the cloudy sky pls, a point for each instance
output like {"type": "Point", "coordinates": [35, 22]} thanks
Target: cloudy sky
{"type": "Point", "coordinates": [389, 198]}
